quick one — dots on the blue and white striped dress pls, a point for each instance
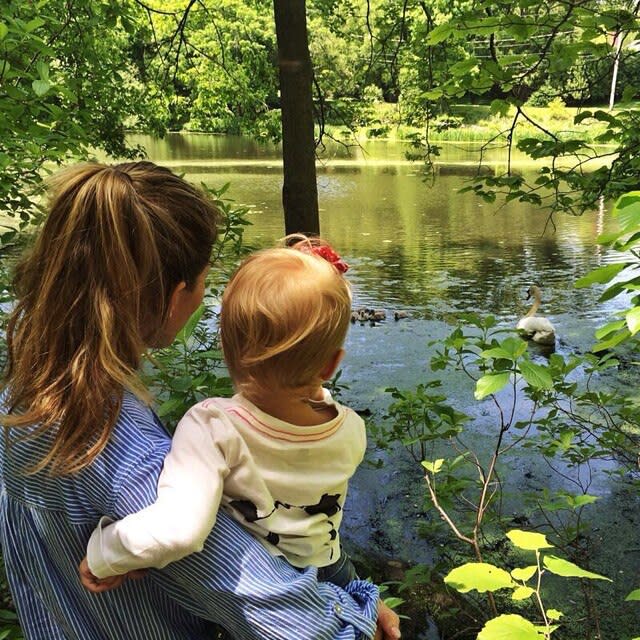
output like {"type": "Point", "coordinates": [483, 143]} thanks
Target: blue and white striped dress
{"type": "Point", "coordinates": [45, 523]}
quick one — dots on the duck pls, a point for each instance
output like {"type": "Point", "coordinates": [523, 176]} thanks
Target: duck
{"type": "Point", "coordinates": [359, 315]}
{"type": "Point", "coordinates": [536, 328]}
{"type": "Point", "coordinates": [368, 315]}
{"type": "Point", "coordinates": [399, 315]}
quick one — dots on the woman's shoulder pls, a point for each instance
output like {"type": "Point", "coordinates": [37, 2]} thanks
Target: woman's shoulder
{"type": "Point", "coordinates": [138, 442]}
{"type": "Point", "coordinates": [138, 427]}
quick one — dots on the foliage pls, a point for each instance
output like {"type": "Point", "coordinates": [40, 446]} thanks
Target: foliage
{"type": "Point", "coordinates": [418, 418]}
{"type": "Point", "coordinates": [214, 65]}
{"type": "Point", "coordinates": [504, 53]}
{"type": "Point", "coordinates": [486, 577]}
{"type": "Point", "coordinates": [74, 76]}
{"type": "Point", "coordinates": [541, 408]}
{"type": "Point", "coordinates": [67, 84]}
{"type": "Point", "coordinates": [621, 276]}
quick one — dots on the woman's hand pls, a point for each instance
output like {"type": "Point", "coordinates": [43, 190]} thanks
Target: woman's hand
{"type": "Point", "coordinates": [100, 585]}
{"type": "Point", "coordinates": [388, 623]}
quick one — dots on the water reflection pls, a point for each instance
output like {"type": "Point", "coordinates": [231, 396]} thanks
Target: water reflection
{"type": "Point", "coordinates": [431, 250]}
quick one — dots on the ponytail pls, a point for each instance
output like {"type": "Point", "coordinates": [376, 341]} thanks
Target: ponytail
{"type": "Point", "coordinates": [93, 293]}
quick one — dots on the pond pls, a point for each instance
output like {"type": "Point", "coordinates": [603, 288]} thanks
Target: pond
{"type": "Point", "coordinates": [426, 250]}
{"type": "Point", "coordinates": [433, 253]}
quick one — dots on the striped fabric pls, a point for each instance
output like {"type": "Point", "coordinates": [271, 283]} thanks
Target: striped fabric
{"type": "Point", "coordinates": [45, 523]}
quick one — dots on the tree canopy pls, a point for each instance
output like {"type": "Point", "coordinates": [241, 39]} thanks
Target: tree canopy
{"type": "Point", "coordinates": [76, 75]}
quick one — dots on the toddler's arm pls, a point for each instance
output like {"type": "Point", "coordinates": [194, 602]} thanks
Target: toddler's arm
{"type": "Point", "coordinates": [178, 522]}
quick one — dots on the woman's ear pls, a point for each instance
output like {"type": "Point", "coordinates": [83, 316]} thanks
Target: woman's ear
{"type": "Point", "coordinates": [173, 320]}
{"type": "Point", "coordinates": [331, 366]}
{"type": "Point", "coordinates": [175, 298]}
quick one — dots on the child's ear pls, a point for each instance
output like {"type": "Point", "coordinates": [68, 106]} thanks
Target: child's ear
{"type": "Point", "coordinates": [331, 366]}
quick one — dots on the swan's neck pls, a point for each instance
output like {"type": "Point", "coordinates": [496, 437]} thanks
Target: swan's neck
{"type": "Point", "coordinates": [536, 304]}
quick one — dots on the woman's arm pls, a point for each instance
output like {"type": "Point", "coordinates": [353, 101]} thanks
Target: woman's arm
{"type": "Point", "coordinates": [237, 584]}
{"type": "Point", "coordinates": [234, 581]}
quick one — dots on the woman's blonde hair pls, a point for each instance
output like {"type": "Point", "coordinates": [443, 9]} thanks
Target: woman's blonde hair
{"type": "Point", "coordinates": [285, 313]}
{"type": "Point", "coordinates": [93, 293]}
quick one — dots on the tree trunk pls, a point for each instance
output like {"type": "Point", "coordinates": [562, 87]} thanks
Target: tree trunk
{"type": "Point", "coordinates": [299, 191]}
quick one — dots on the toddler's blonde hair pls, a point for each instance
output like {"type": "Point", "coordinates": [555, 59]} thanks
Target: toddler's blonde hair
{"type": "Point", "coordinates": [285, 313]}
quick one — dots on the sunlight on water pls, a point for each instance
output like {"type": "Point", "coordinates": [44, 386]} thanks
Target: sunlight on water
{"type": "Point", "coordinates": [427, 250]}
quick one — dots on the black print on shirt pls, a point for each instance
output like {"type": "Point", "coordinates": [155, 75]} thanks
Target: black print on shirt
{"type": "Point", "coordinates": [273, 538]}
{"type": "Point", "coordinates": [329, 504]}
{"type": "Point", "coordinates": [247, 510]}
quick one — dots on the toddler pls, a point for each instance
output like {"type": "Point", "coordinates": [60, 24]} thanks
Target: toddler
{"type": "Point", "coordinates": [277, 455]}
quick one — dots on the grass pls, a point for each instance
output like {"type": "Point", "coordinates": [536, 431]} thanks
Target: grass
{"type": "Point", "coordinates": [475, 123]}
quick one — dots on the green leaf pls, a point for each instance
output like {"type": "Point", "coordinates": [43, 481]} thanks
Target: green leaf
{"type": "Point", "coordinates": [608, 237]}
{"type": "Point", "coordinates": [434, 466]}
{"type": "Point", "coordinates": [566, 569]}
{"type": "Point", "coordinates": [600, 275]}
{"type": "Point", "coordinates": [439, 34]}
{"type": "Point", "coordinates": [536, 375]}
{"type": "Point", "coordinates": [40, 87]}
{"type": "Point", "coordinates": [509, 627]}
{"type": "Point", "coordinates": [463, 67]}
{"type": "Point", "coordinates": [480, 576]}
{"type": "Point", "coordinates": [634, 595]}
{"type": "Point", "coordinates": [181, 383]}
{"type": "Point", "coordinates": [633, 320]}
{"type": "Point", "coordinates": [497, 353]}
{"type": "Point", "coordinates": [613, 341]}
{"type": "Point", "coordinates": [628, 93]}
{"type": "Point", "coordinates": [580, 501]}
{"type": "Point", "coordinates": [491, 383]}
{"type": "Point", "coordinates": [43, 70]}
{"type": "Point", "coordinates": [3, 30]}
{"type": "Point", "coordinates": [170, 406]}
{"type": "Point", "coordinates": [581, 117]}
{"type": "Point", "coordinates": [528, 540]}
{"type": "Point", "coordinates": [392, 603]}
{"type": "Point", "coordinates": [609, 328]}
{"type": "Point", "coordinates": [515, 346]}
{"type": "Point", "coordinates": [434, 94]}
{"type": "Point", "coordinates": [627, 210]}
{"type": "Point", "coordinates": [522, 593]}
{"type": "Point", "coordinates": [34, 24]}
{"type": "Point", "coordinates": [626, 242]}
{"type": "Point", "coordinates": [554, 614]}
{"type": "Point", "coordinates": [8, 616]}
{"type": "Point", "coordinates": [500, 107]}
{"type": "Point", "coordinates": [187, 331]}
{"type": "Point", "coordinates": [524, 573]}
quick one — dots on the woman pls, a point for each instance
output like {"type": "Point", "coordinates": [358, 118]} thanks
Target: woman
{"type": "Point", "coordinates": [119, 266]}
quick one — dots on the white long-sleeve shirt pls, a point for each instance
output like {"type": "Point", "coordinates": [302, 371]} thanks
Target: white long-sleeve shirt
{"type": "Point", "coordinates": [285, 483]}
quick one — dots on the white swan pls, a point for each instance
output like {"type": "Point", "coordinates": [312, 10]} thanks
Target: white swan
{"type": "Point", "coordinates": [536, 328]}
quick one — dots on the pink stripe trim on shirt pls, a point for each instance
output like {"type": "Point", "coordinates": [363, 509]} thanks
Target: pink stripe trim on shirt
{"type": "Point", "coordinates": [260, 426]}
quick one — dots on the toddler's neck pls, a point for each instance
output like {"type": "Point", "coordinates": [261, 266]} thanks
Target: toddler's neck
{"type": "Point", "coordinates": [288, 406]}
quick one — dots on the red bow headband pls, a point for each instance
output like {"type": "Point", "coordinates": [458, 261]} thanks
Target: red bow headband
{"type": "Point", "coordinates": [316, 247]}
{"type": "Point", "coordinates": [328, 254]}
